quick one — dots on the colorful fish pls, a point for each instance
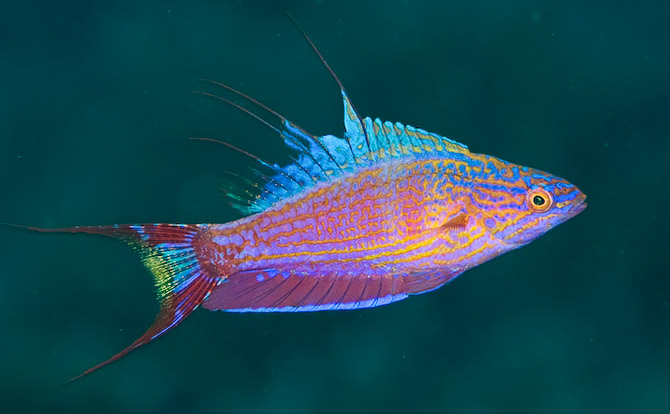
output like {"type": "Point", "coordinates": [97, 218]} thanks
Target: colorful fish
{"type": "Point", "coordinates": [358, 221]}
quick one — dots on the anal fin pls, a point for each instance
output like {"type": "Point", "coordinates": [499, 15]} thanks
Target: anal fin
{"type": "Point", "coordinates": [307, 290]}
{"type": "Point", "coordinates": [295, 290]}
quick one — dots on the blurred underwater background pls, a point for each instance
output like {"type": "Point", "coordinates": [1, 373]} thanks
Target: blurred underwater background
{"type": "Point", "coordinates": [95, 114]}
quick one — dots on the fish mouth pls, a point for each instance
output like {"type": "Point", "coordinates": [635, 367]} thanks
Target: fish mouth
{"type": "Point", "coordinates": [579, 205]}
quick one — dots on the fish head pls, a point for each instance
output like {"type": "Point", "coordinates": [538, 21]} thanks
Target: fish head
{"type": "Point", "coordinates": [541, 201]}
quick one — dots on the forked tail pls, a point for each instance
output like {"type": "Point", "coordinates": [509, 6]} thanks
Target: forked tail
{"type": "Point", "coordinates": [169, 251]}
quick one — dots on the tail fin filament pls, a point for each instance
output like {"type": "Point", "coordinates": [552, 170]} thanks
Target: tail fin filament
{"type": "Point", "coordinates": [169, 252]}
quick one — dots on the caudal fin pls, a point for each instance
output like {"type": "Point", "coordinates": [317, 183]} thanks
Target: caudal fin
{"type": "Point", "coordinates": [169, 252]}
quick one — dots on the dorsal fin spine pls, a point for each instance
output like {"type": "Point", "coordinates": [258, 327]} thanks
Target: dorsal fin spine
{"type": "Point", "coordinates": [332, 73]}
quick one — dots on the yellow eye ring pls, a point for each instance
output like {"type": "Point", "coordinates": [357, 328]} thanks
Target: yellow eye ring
{"type": "Point", "coordinates": [539, 200]}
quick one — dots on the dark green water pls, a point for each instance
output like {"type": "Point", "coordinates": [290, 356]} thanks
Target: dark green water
{"type": "Point", "coordinates": [94, 116]}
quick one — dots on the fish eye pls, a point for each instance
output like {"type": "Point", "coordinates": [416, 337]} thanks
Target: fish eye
{"type": "Point", "coordinates": [539, 200]}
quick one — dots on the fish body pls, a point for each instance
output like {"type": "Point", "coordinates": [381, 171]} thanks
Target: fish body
{"type": "Point", "coordinates": [375, 237]}
{"type": "Point", "coordinates": [357, 221]}
{"type": "Point", "coordinates": [410, 211]}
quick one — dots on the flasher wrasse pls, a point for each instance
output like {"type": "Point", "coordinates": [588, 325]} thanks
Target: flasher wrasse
{"type": "Point", "coordinates": [358, 221]}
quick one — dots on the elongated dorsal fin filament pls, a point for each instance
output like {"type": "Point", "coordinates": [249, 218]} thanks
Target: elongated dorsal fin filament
{"type": "Point", "coordinates": [256, 102]}
{"type": "Point", "coordinates": [241, 108]}
{"type": "Point", "coordinates": [255, 157]}
{"type": "Point", "coordinates": [332, 73]}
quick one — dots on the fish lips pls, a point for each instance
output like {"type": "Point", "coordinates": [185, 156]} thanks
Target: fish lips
{"type": "Point", "coordinates": [579, 205]}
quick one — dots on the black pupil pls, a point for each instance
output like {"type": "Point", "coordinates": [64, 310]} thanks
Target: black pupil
{"type": "Point", "coordinates": [538, 200]}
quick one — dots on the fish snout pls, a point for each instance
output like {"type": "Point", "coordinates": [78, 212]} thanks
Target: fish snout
{"type": "Point", "coordinates": [578, 205]}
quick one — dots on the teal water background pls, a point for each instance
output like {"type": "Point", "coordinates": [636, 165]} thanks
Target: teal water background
{"type": "Point", "coordinates": [94, 118]}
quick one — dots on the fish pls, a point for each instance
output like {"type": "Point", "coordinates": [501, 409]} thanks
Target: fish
{"type": "Point", "coordinates": [381, 213]}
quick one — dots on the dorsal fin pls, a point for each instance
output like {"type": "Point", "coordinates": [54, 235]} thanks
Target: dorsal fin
{"type": "Point", "coordinates": [359, 119]}
{"type": "Point", "coordinates": [365, 143]}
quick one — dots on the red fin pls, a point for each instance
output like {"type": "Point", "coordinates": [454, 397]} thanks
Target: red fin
{"type": "Point", "coordinates": [460, 220]}
{"type": "Point", "coordinates": [173, 310]}
{"type": "Point", "coordinates": [274, 290]}
{"type": "Point", "coordinates": [296, 290]}
{"type": "Point", "coordinates": [430, 279]}
{"type": "Point", "coordinates": [169, 252]}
